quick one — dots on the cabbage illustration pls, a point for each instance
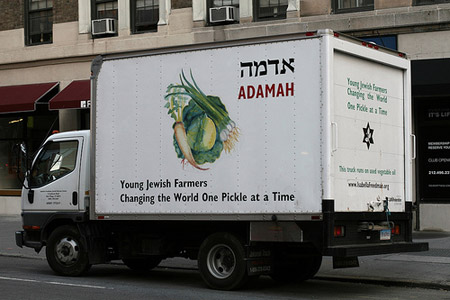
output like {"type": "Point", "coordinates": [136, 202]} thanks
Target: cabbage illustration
{"type": "Point", "coordinates": [203, 127]}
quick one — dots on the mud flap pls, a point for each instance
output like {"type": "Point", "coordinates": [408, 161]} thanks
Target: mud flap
{"type": "Point", "coordinates": [259, 261]}
{"type": "Point", "coordinates": [345, 262]}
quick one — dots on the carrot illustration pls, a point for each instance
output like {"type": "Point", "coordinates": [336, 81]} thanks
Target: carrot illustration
{"type": "Point", "coordinates": [181, 138]}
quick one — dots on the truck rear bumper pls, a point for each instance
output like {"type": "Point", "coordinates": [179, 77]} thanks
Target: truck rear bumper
{"type": "Point", "coordinates": [375, 249]}
{"type": "Point", "coordinates": [352, 234]}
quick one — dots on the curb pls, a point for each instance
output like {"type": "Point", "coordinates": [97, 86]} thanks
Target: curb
{"type": "Point", "coordinates": [387, 282]}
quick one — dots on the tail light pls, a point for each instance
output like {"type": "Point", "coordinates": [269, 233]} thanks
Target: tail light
{"type": "Point", "coordinates": [396, 229]}
{"type": "Point", "coordinates": [339, 231]}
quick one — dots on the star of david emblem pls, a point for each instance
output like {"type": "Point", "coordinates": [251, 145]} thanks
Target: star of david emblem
{"type": "Point", "coordinates": [368, 135]}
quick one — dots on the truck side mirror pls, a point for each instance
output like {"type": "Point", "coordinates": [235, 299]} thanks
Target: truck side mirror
{"type": "Point", "coordinates": [20, 150]}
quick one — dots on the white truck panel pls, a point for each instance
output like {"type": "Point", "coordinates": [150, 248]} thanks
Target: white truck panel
{"type": "Point", "coordinates": [279, 148]}
{"type": "Point", "coordinates": [368, 110]}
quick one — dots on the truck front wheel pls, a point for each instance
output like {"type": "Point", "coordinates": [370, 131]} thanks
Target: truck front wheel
{"type": "Point", "coordinates": [66, 255]}
{"type": "Point", "coordinates": [221, 261]}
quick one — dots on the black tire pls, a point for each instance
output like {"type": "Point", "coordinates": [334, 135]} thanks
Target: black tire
{"type": "Point", "coordinates": [221, 261]}
{"type": "Point", "coordinates": [66, 254]}
{"type": "Point", "coordinates": [142, 264]}
{"type": "Point", "coordinates": [315, 264]}
{"type": "Point", "coordinates": [296, 270]}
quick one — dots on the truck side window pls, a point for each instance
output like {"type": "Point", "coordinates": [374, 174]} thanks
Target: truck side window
{"type": "Point", "coordinates": [56, 160]}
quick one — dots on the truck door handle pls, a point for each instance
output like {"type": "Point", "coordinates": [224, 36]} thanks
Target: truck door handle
{"type": "Point", "coordinates": [414, 145]}
{"type": "Point", "coordinates": [334, 141]}
{"type": "Point", "coordinates": [31, 196]}
{"type": "Point", "coordinates": [74, 198]}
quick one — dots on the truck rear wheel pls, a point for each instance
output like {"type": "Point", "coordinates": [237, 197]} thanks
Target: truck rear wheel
{"type": "Point", "coordinates": [221, 261]}
{"type": "Point", "coordinates": [65, 252]}
{"type": "Point", "coordinates": [142, 264]}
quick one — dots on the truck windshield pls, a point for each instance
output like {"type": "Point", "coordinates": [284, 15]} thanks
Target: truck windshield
{"type": "Point", "coordinates": [56, 160]}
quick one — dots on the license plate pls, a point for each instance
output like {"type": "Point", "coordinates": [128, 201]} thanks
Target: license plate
{"type": "Point", "coordinates": [385, 235]}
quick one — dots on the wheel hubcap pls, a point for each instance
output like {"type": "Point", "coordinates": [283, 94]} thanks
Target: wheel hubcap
{"type": "Point", "coordinates": [67, 251]}
{"type": "Point", "coordinates": [221, 261]}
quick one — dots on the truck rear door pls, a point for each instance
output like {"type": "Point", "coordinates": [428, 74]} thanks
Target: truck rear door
{"type": "Point", "coordinates": [369, 158]}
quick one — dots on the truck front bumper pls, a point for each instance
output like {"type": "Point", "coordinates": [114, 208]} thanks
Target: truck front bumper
{"type": "Point", "coordinates": [22, 240]}
{"type": "Point", "coordinates": [19, 238]}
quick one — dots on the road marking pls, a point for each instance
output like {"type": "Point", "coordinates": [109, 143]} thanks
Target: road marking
{"type": "Point", "coordinates": [78, 285]}
{"type": "Point", "coordinates": [55, 283]}
{"type": "Point", "coordinates": [18, 279]}
{"type": "Point", "coordinates": [418, 258]}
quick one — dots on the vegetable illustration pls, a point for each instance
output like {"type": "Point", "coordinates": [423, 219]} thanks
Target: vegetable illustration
{"type": "Point", "coordinates": [203, 127]}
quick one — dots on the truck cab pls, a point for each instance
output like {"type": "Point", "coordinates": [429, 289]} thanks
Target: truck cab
{"type": "Point", "coordinates": [57, 186]}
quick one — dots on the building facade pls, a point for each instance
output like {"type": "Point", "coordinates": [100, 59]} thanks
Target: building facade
{"type": "Point", "coordinates": [46, 49]}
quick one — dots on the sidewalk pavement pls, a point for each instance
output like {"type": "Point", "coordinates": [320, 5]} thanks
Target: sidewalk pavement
{"type": "Point", "coordinates": [429, 269]}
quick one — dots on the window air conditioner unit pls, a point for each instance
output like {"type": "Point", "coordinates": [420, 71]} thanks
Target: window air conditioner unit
{"type": "Point", "coordinates": [104, 27]}
{"type": "Point", "coordinates": [223, 14]}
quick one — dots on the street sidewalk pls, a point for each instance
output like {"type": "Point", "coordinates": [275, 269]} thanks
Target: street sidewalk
{"type": "Point", "coordinates": [429, 269]}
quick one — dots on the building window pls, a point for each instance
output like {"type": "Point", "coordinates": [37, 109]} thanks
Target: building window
{"type": "Point", "coordinates": [29, 129]}
{"type": "Point", "coordinates": [344, 6]}
{"type": "Point", "coordinates": [12, 132]}
{"type": "Point", "coordinates": [387, 41]}
{"type": "Point", "coordinates": [39, 18]}
{"type": "Point", "coordinates": [270, 9]}
{"type": "Point", "coordinates": [430, 81]}
{"type": "Point", "coordinates": [104, 9]}
{"type": "Point", "coordinates": [144, 15]}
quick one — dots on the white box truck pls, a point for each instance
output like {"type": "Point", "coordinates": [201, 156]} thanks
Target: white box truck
{"type": "Point", "coordinates": [252, 157]}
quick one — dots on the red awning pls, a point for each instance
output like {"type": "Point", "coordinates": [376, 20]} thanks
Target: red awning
{"type": "Point", "coordinates": [76, 95]}
{"type": "Point", "coordinates": [22, 98]}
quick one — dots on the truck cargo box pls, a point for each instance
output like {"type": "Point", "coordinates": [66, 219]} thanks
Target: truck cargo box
{"type": "Point", "coordinates": [274, 127]}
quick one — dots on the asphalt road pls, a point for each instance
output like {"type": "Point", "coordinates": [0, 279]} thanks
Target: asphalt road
{"type": "Point", "coordinates": [24, 278]}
